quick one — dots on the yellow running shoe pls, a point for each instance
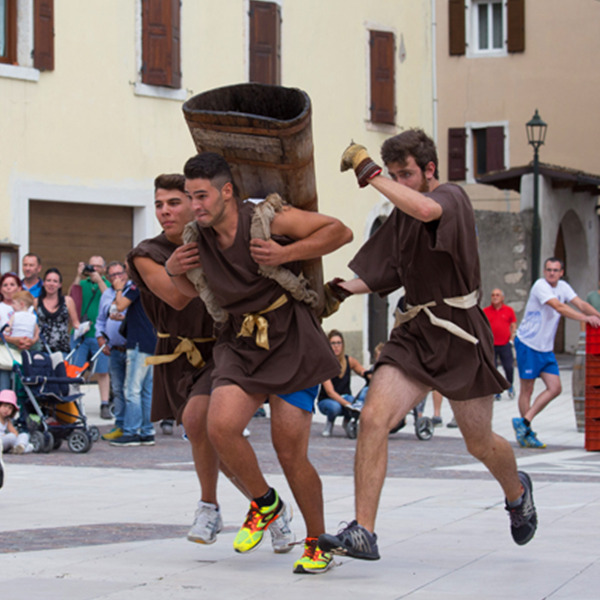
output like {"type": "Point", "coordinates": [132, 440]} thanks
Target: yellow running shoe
{"type": "Point", "coordinates": [113, 434]}
{"type": "Point", "coordinates": [257, 522]}
{"type": "Point", "coordinates": [314, 560]}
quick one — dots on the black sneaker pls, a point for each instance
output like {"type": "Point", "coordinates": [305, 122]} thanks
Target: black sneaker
{"type": "Point", "coordinates": [105, 412]}
{"type": "Point", "coordinates": [523, 518]}
{"type": "Point", "coordinates": [126, 440]}
{"type": "Point", "coordinates": [354, 541]}
{"type": "Point", "coordinates": [146, 440]}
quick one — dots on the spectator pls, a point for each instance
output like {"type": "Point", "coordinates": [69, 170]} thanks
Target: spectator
{"type": "Point", "coordinates": [335, 393]}
{"type": "Point", "coordinates": [22, 331]}
{"type": "Point", "coordinates": [503, 322]}
{"type": "Point", "coordinates": [10, 439]}
{"type": "Point", "coordinates": [108, 323]}
{"type": "Point", "coordinates": [32, 266]}
{"type": "Point", "coordinates": [141, 340]}
{"type": "Point", "coordinates": [57, 314]}
{"type": "Point", "coordinates": [9, 284]}
{"type": "Point", "coordinates": [88, 286]}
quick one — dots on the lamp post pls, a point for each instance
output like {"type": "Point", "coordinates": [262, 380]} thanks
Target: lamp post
{"type": "Point", "coordinates": [536, 134]}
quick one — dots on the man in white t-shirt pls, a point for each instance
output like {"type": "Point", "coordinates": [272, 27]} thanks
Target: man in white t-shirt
{"type": "Point", "coordinates": [535, 342]}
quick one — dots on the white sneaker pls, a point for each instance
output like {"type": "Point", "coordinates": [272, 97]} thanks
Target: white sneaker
{"type": "Point", "coordinates": [328, 429]}
{"type": "Point", "coordinates": [18, 449]}
{"type": "Point", "coordinates": [207, 523]}
{"type": "Point", "coordinates": [282, 537]}
{"type": "Point", "coordinates": [246, 432]}
{"type": "Point", "coordinates": [28, 449]}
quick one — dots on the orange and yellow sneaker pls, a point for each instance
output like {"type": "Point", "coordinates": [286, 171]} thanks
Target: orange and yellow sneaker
{"type": "Point", "coordinates": [257, 522]}
{"type": "Point", "coordinates": [314, 560]}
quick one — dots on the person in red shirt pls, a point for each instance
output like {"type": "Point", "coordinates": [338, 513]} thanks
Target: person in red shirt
{"type": "Point", "coordinates": [504, 326]}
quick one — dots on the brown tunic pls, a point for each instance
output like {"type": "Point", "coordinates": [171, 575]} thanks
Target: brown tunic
{"type": "Point", "coordinates": [175, 382]}
{"type": "Point", "coordinates": [299, 354]}
{"type": "Point", "coordinates": [434, 261]}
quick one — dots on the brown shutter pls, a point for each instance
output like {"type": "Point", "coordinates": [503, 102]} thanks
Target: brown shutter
{"type": "Point", "coordinates": [383, 107]}
{"type": "Point", "coordinates": [9, 55]}
{"type": "Point", "coordinates": [516, 25]}
{"type": "Point", "coordinates": [494, 146]}
{"type": "Point", "coordinates": [457, 154]}
{"type": "Point", "coordinates": [265, 43]}
{"type": "Point", "coordinates": [43, 32]}
{"type": "Point", "coordinates": [456, 27]}
{"type": "Point", "coordinates": [160, 43]}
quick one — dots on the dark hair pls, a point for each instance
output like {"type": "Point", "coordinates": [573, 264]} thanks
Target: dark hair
{"type": "Point", "coordinates": [170, 181]}
{"type": "Point", "coordinates": [211, 166]}
{"type": "Point", "coordinates": [554, 259]}
{"type": "Point", "coordinates": [114, 263]}
{"type": "Point", "coordinates": [60, 278]}
{"type": "Point", "coordinates": [33, 255]}
{"type": "Point", "coordinates": [5, 277]}
{"type": "Point", "coordinates": [413, 142]}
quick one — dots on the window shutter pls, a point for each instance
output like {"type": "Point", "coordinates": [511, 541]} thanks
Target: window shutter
{"type": "Point", "coordinates": [494, 146]}
{"type": "Point", "coordinates": [456, 27]}
{"type": "Point", "coordinates": [516, 25]}
{"type": "Point", "coordinates": [160, 43]}
{"type": "Point", "coordinates": [8, 54]}
{"type": "Point", "coordinates": [383, 107]}
{"type": "Point", "coordinates": [457, 154]}
{"type": "Point", "coordinates": [265, 43]}
{"type": "Point", "coordinates": [43, 32]}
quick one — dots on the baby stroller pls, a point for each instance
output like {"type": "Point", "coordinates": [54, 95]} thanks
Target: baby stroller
{"type": "Point", "coordinates": [423, 425]}
{"type": "Point", "coordinates": [50, 403]}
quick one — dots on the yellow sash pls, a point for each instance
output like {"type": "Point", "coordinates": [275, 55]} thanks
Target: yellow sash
{"type": "Point", "coordinates": [252, 320]}
{"type": "Point", "coordinates": [187, 346]}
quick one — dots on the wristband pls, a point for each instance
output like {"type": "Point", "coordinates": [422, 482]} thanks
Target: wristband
{"type": "Point", "coordinates": [337, 290]}
{"type": "Point", "coordinates": [169, 272]}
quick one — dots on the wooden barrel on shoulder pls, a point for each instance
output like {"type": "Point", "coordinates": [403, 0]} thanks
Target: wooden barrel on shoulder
{"type": "Point", "coordinates": [578, 383]}
{"type": "Point", "coordinates": [265, 134]}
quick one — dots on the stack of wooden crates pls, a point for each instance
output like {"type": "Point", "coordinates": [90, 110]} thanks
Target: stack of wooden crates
{"type": "Point", "coordinates": [592, 388]}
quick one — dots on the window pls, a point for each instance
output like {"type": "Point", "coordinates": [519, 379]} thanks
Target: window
{"type": "Point", "coordinates": [475, 150]}
{"type": "Point", "coordinates": [161, 62]}
{"type": "Point", "coordinates": [486, 27]}
{"type": "Point", "coordinates": [265, 43]}
{"type": "Point", "coordinates": [23, 23]}
{"type": "Point", "coordinates": [8, 31]}
{"type": "Point", "coordinates": [382, 52]}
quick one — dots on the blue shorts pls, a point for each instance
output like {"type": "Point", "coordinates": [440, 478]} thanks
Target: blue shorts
{"type": "Point", "coordinates": [304, 399]}
{"type": "Point", "coordinates": [532, 363]}
{"type": "Point", "coordinates": [85, 351]}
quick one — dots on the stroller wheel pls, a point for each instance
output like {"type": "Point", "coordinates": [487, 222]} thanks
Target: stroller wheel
{"type": "Point", "coordinates": [352, 429]}
{"type": "Point", "coordinates": [48, 442]}
{"type": "Point", "coordinates": [36, 439]}
{"type": "Point", "coordinates": [94, 433]}
{"type": "Point", "coordinates": [424, 428]}
{"type": "Point", "coordinates": [57, 443]}
{"type": "Point", "coordinates": [79, 441]}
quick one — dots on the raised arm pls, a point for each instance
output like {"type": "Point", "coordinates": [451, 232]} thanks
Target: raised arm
{"type": "Point", "coordinates": [566, 311]}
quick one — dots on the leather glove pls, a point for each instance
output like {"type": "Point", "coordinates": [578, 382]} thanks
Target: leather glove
{"type": "Point", "coordinates": [356, 157]}
{"type": "Point", "coordinates": [334, 295]}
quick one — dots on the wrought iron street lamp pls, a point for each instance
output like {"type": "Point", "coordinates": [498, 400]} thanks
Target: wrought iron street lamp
{"type": "Point", "coordinates": [536, 135]}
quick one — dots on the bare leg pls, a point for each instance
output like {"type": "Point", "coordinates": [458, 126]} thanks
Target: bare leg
{"type": "Point", "coordinates": [474, 418]}
{"type": "Point", "coordinates": [103, 380]}
{"type": "Point", "coordinates": [437, 403]}
{"type": "Point", "coordinates": [525, 392]}
{"type": "Point", "coordinates": [553, 389]}
{"type": "Point", "coordinates": [290, 432]}
{"type": "Point", "coordinates": [229, 411]}
{"type": "Point", "coordinates": [392, 394]}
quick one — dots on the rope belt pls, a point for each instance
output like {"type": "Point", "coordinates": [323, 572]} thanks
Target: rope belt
{"type": "Point", "coordinates": [463, 302]}
{"type": "Point", "coordinates": [252, 320]}
{"type": "Point", "coordinates": [186, 346]}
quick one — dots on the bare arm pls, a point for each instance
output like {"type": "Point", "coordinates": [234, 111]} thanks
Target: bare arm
{"type": "Point", "coordinates": [409, 201]}
{"type": "Point", "coordinates": [585, 307]}
{"type": "Point", "coordinates": [314, 236]}
{"type": "Point", "coordinates": [356, 366]}
{"type": "Point", "coordinates": [160, 284]}
{"type": "Point", "coordinates": [333, 395]}
{"type": "Point", "coordinates": [72, 310]}
{"type": "Point", "coordinates": [566, 311]}
{"type": "Point", "coordinates": [183, 259]}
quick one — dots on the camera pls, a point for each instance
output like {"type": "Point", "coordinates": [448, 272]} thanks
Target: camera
{"type": "Point", "coordinates": [88, 269]}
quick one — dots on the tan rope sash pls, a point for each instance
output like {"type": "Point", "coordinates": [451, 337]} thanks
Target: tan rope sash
{"type": "Point", "coordinates": [252, 320]}
{"type": "Point", "coordinates": [186, 346]}
{"type": "Point", "coordinates": [464, 302]}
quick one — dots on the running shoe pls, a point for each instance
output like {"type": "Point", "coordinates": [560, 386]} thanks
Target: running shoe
{"type": "Point", "coordinates": [113, 434]}
{"type": "Point", "coordinates": [207, 523]}
{"type": "Point", "coordinates": [354, 541]}
{"type": "Point", "coordinates": [521, 430]}
{"type": "Point", "coordinates": [511, 392]}
{"type": "Point", "coordinates": [530, 440]}
{"type": "Point", "coordinates": [523, 518]}
{"type": "Point", "coordinates": [498, 397]}
{"type": "Point", "coordinates": [436, 421]}
{"type": "Point", "coordinates": [250, 536]}
{"type": "Point", "coordinates": [314, 560]}
{"type": "Point", "coordinates": [282, 537]}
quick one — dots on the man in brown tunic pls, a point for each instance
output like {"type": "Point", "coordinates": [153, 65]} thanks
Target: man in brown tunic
{"type": "Point", "coordinates": [284, 358]}
{"type": "Point", "coordinates": [443, 340]}
{"type": "Point", "coordinates": [183, 365]}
